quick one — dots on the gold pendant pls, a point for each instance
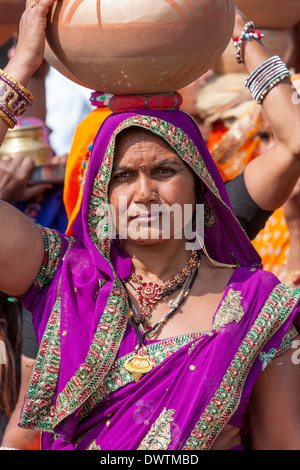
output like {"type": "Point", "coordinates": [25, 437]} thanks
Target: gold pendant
{"type": "Point", "coordinates": [139, 365]}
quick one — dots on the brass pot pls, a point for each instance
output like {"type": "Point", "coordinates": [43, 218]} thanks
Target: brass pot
{"type": "Point", "coordinates": [129, 46]}
{"type": "Point", "coordinates": [26, 141]}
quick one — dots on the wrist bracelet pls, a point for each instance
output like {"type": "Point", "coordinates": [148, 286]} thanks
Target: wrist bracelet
{"type": "Point", "coordinates": [14, 104]}
{"type": "Point", "coordinates": [266, 76]}
{"type": "Point", "coordinates": [14, 99]}
{"type": "Point", "coordinates": [245, 34]}
{"type": "Point", "coordinates": [7, 117]}
{"type": "Point", "coordinates": [17, 86]}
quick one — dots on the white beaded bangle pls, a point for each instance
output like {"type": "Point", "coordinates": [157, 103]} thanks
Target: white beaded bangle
{"type": "Point", "coordinates": [238, 44]}
{"type": "Point", "coordinates": [245, 34]}
{"type": "Point", "coordinates": [265, 77]}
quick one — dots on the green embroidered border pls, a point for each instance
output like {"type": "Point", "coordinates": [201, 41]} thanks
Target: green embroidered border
{"type": "Point", "coordinates": [38, 411]}
{"type": "Point", "coordinates": [276, 310]}
{"type": "Point", "coordinates": [286, 344]}
{"type": "Point", "coordinates": [100, 357]}
{"type": "Point", "coordinates": [52, 252]}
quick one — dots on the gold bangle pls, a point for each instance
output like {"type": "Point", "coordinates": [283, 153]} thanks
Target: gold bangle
{"type": "Point", "coordinates": [15, 105]}
{"type": "Point", "coordinates": [7, 119]}
{"type": "Point", "coordinates": [17, 86]}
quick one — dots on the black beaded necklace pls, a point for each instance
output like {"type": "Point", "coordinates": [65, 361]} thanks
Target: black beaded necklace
{"type": "Point", "coordinates": [140, 318]}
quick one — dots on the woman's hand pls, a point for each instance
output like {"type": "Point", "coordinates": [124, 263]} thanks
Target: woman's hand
{"type": "Point", "coordinates": [15, 174]}
{"type": "Point", "coordinates": [29, 52]}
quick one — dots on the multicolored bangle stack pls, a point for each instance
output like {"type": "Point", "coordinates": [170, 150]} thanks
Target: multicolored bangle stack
{"type": "Point", "coordinates": [266, 76]}
{"type": "Point", "coordinates": [14, 99]}
{"type": "Point", "coordinates": [245, 34]}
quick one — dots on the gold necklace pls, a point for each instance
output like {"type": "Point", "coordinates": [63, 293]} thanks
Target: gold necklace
{"type": "Point", "coordinates": [148, 293]}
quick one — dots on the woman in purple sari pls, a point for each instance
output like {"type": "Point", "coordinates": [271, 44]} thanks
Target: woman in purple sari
{"type": "Point", "coordinates": [153, 335]}
{"type": "Point", "coordinates": [192, 381]}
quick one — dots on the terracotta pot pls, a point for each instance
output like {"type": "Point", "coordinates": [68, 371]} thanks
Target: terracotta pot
{"type": "Point", "coordinates": [53, 60]}
{"type": "Point", "coordinates": [139, 47]}
{"type": "Point", "coordinates": [278, 42]}
{"type": "Point", "coordinates": [273, 14]}
{"type": "Point", "coordinates": [10, 14]}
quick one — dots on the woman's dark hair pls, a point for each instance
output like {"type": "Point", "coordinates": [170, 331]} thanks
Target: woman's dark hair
{"type": "Point", "coordinates": [11, 349]}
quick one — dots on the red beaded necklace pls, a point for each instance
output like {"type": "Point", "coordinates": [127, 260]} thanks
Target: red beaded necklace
{"type": "Point", "coordinates": [148, 293]}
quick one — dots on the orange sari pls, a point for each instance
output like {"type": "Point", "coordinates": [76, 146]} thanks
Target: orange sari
{"type": "Point", "coordinates": [78, 159]}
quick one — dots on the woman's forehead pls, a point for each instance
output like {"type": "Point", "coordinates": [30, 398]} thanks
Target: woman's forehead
{"type": "Point", "coordinates": [137, 142]}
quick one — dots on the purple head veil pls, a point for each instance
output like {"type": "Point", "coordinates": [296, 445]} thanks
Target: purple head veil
{"type": "Point", "coordinates": [225, 240]}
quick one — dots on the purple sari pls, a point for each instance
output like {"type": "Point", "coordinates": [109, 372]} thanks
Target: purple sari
{"type": "Point", "coordinates": [80, 395]}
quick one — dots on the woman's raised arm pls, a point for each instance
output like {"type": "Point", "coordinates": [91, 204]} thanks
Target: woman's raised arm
{"type": "Point", "coordinates": [21, 243]}
{"type": "Point", "coordinates": [29, 52]}
{"type": "Point", "coordinates": [21, 250]}
{"type": "Point", "coordinates": [271, 178]}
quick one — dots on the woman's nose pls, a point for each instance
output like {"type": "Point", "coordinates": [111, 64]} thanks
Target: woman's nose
{"type": "Point", "coordinates": [145, 189]}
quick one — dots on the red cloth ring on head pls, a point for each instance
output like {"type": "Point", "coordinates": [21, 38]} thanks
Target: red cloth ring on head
{"type": "Point", "coordinates": [157, 101]}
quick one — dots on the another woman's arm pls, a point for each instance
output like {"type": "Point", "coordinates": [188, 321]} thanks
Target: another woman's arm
{"type": "Point", "coordinates": [291, 211]}
{"type": "Point", "coordinates": [274, 412]}
{"type": "Point", "coordinates": [271, 178]}
{"type": "Point", "coordinates": [21, 243]}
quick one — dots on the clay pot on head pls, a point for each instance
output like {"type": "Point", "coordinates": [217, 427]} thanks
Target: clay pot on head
{"type": "Point", "coordinates": [54, 61]}
{"type": "Point", "coordinates": [11, 12]}
{"type": "Point", "coordinates": [127, 47]}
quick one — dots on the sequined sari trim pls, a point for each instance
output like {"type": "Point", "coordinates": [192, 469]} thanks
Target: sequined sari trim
{"type": "Point", "coordinates": [37, 412]}
{"type": "Point", "coordinates": [159, 436]}
{"type": "Point", "coordinates": [52, 252]}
